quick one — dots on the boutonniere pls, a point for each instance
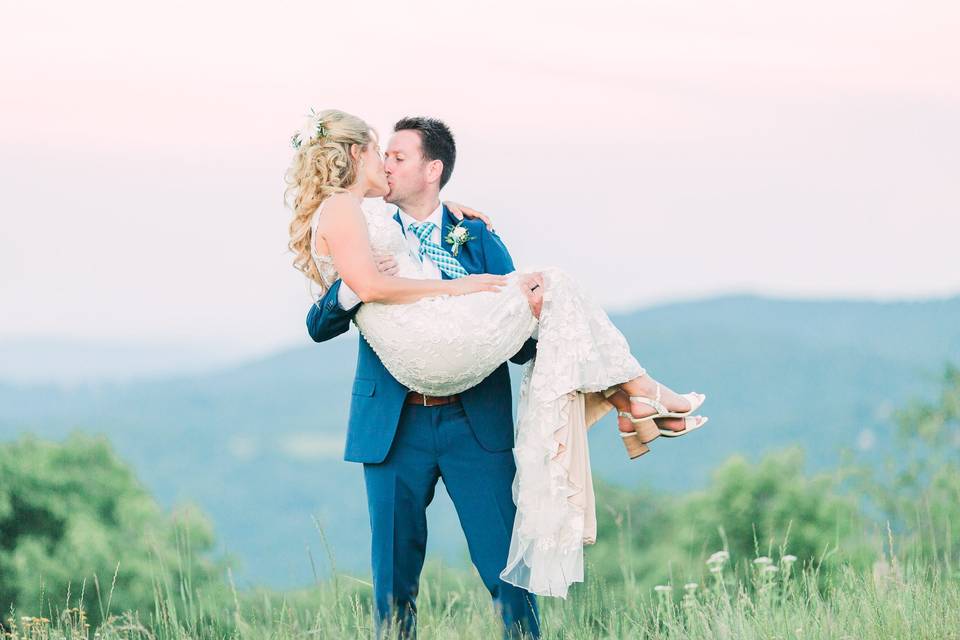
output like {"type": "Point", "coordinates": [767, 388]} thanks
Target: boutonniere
{"type": "Point", "coordinates": [458, 236]}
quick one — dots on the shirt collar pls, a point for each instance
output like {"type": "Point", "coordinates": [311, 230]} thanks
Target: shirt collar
{"type": "Point", "coordinates": [436, 217]}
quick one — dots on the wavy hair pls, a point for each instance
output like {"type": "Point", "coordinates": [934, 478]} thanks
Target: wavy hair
{"type": "Point", "coordinates": [321, 166]}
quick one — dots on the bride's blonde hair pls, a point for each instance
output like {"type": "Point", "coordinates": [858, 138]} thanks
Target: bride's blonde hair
{"type": "Point", "coordinates": [321, 166]}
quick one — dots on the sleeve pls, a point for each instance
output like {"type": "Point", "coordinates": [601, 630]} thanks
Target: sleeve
{"type": "Point", "coordinates": [326, 318]}
{"type": "Point", "coordinates": [498, 262]}
{"type": "Point", "coordinates": [496, 258]}
{"type": "Point", "coordinates": [347, 298]}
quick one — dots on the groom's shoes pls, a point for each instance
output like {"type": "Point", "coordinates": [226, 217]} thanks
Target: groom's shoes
{"type": "Point", "coordinates": [430, 401]}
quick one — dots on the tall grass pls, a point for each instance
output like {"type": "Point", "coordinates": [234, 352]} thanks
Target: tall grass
{"type": "Point", "coordinates": [739, 599]}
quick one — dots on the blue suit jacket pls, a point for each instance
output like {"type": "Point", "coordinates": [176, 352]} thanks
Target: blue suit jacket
{"type": "Point", "coordinates": [378, 397]}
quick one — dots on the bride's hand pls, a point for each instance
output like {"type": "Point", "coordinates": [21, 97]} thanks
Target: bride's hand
{"type": "Point", "coordinates": [477, 282]}
{"type": "Point", "coordinates": [460, 211]}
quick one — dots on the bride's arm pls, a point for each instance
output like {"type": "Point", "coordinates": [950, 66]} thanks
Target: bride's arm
{"type": "Point", "coordinates": [344, 228]}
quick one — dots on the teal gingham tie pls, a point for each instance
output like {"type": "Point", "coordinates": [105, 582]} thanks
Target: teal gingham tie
{"type": "Point", "coordinates": [440, 256]}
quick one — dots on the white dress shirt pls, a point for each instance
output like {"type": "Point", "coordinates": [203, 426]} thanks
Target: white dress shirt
{"type": "Point", "coordinates": [348, 299]}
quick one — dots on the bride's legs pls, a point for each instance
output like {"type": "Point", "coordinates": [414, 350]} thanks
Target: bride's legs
{"type": "Point", "coordinates": [642, 386]}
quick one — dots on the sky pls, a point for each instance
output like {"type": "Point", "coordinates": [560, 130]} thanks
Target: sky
{"type": "Point", "coordinates": [657, 150]}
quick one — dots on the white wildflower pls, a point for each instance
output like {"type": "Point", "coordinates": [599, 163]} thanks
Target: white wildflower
{"type": "Point", "coordinates": [716, 569]}
{"type": "Point", "coordinates": [718, 558]}
{"type": "Point", "coordinates": [769, 569]}
{"type": "Point", "coordinates": [788, 560]}
{"type": "Point", "coordinates": [690, 587]}
{"type": "Point", "coordinates": [663, 588]}
{"type": "Point", "coordinates": [762, 561]}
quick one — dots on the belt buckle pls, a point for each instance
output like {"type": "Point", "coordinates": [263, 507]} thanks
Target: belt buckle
{"type": "Point", "coordinates": [424, 399]}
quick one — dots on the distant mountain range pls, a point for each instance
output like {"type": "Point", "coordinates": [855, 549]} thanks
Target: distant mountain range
{"type": "Point", "coordinates": [69, 362]}
{"type": "Point", "coordinates": [259, 446]}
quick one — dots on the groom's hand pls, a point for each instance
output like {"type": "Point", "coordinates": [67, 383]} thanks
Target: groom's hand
{"type": "Point", "coordinates": [532, 285]}
{"type": "Point", "coordinates": [387, 265]}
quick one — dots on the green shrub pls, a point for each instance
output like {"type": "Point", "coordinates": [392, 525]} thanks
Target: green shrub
{"type": "Point", "coordinates": [766, 509]}
{"type": "Point", "coordinates": [71, 511]}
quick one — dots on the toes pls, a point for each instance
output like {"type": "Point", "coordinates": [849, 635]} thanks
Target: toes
{"type": "Point", "coordinates": [696, 398]}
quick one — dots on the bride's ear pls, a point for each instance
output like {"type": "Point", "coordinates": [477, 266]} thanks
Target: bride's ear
{"type": "Point", "coordinates": [355, 151]}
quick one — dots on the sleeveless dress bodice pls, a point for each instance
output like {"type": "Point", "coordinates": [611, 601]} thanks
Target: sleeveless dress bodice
{"type": "Point", "coordinates": [383, 239]}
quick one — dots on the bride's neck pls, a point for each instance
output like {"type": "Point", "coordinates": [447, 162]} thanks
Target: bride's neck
{"type": "Point", "coordinates": [357, 191]}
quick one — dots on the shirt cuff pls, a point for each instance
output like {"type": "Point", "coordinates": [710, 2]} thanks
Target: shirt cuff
{"type": "Point", "coordinates": [347, 298]}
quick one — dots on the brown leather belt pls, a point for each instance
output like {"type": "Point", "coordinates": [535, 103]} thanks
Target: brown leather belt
{"type": "Point", "coordinates": [430, 401]}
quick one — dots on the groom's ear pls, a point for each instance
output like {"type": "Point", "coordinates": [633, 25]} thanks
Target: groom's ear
{"type": "Point", "coordinates": [434, 170]}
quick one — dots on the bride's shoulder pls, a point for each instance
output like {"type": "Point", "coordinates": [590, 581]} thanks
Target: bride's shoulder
{"type": "Point", "coordinates": [340, 202]}
{"type": "Point", "coordinates": [337, 207]}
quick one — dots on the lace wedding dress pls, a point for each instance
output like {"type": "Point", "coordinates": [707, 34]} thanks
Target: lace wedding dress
{"type": "Point", "coordinates": [446, 344]}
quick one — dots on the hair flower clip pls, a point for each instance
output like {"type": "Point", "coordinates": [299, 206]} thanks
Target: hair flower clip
{"type": "Point", "coordinates": [312, 129]}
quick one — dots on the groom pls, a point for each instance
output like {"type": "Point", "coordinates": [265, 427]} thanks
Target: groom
{"type": "Point", "coordinates": [407, 441]}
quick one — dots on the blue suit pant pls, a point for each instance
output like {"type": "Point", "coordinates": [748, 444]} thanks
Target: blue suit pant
{"type": "Point", "coordinates": [432, 443]}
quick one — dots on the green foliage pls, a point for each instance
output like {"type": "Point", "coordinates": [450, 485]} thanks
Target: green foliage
{"type": "Point", "coordinates": [774, 504]}
{"type": "Point", "coordinates": [917, 488]}
{"type": "Point", "coordinates": [766, 509]}
{"type": "Point", "coordinates": [73, 518]}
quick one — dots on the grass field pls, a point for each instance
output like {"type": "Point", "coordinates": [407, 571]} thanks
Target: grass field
{"type": "Point", "coordinates": [751, 598]}
{"type": "Point", "coordinates": [876, 557]}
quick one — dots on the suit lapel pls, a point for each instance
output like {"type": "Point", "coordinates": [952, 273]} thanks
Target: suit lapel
{"type": "Point", "coordinates": [465, 256]}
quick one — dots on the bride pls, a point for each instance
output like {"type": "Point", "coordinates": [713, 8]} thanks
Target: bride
{"type": "Point", "coordinates": [441, 337]}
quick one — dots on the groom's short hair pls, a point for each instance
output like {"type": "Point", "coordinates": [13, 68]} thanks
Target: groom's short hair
{"type": "Point", "coordinates": [436, 140]}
